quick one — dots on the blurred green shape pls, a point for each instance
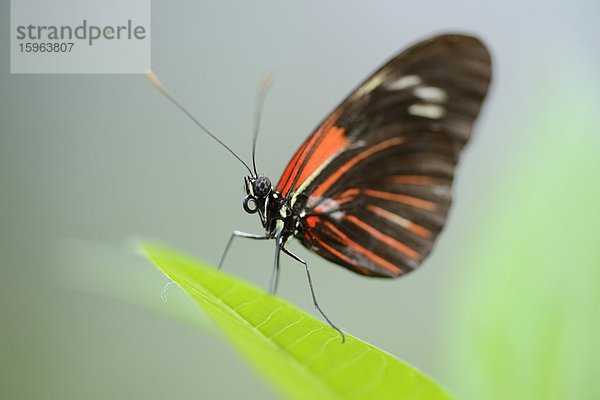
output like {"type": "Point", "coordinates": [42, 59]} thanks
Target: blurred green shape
{"type": "Point", "coordinates": [526, 323]}
{"type": "Point", "coordinates": [300, 355]}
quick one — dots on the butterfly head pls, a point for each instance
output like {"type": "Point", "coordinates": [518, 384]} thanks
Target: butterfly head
{"type": "Point", "coordinates": [257, 190]}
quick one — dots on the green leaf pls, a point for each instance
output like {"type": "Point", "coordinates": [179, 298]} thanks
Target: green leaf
{"type": "Point", "coordinates": [301, 356]}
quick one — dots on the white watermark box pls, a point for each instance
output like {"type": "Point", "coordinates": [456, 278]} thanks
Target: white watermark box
{"type": "Point", "coordinates": [75, 36]}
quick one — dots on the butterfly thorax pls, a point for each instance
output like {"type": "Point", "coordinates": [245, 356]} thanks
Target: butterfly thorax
{"type": "Point", "coordinates": [273, 209]}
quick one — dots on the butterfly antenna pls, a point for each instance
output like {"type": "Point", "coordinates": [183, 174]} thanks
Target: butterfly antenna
{"type": "Point", "coordinates": [158, 85]}
{"type": "Point", "coordinates": [265, 85]}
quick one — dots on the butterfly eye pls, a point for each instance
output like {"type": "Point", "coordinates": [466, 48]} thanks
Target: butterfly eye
{"type": "Point", "coordinates": [262, 186]}
{"type": "Point", "coordinates": [250, 205]}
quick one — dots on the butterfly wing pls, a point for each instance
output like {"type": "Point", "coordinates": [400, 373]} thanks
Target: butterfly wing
{"type": "Point", "coordinates": [372, 184]}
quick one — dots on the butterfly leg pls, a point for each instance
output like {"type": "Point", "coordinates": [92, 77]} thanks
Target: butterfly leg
{"type": "Point", "coordinates": [275, 273]}
{"type": "Point", "coordinates": [312, 291]}
{"type": "Point", "coordinates": [244, 235]}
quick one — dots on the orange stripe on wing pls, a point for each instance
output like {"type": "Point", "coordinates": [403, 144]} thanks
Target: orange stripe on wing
{"type": "Point", "coordinates": [390, 241]}
{"type": "Point", "coordinates": [401, 198]}
{"type": "Point", "coordinates": [369, 254]}
{"type": "Point", "coordinates": [327, 205]}
{"type": "Point", "coordinates": [403, 222]}
{"type": "Point", "coordinates": [395, 141]}
{"type": "Point", "coordinates": [349, 193]}
{"type": "Point", "coordinates": [339, 254]}
{"type": "Point", "coordinates": [327, 140]}
{"type": "Point", "coordinates": [334, 140]}
{"type": "Point", "coordinates": [294, 165]}
{"type": "Point", "coordinates": [312, 220]}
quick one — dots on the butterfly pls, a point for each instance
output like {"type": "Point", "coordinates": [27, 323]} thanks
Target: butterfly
{"type": "Point", "coordinates": [370, 188]}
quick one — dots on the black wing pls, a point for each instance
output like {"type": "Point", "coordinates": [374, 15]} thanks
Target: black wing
{"type": "Point", "coordinates": [373, 182]}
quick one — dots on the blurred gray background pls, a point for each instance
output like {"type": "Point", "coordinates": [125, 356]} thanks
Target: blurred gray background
{"type": "Point", "coordinates": [87, 162]}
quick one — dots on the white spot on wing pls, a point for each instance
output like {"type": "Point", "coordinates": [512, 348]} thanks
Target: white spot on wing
{"type": "Point", "coordinates": [432, 111]}
{"type": "Point", "coordinates": [404, 82]}
{"type": "Point", "coordinates": [369, 86]}
{"type": "Point", "coordinates": [442, 191]}
{"type": "Point", "coordinates": [431, 94]}
{"type": "Point", "coordinates": [328, 205]}
{"type": "Point", "coordinates": [338, 215]}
